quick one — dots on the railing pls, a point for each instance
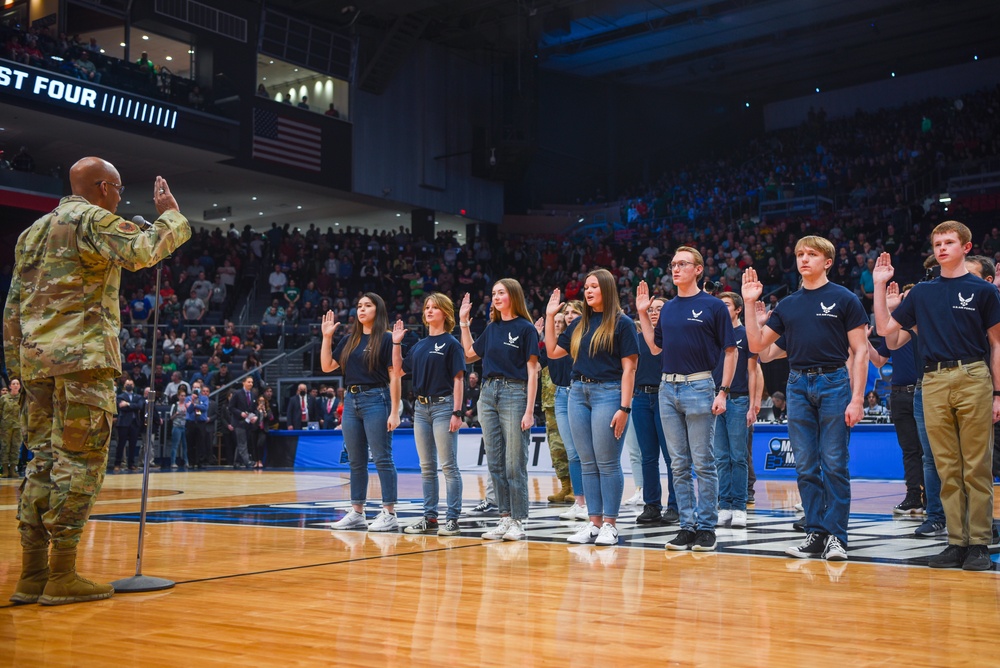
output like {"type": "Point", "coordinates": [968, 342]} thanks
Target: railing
{"type": "Point", "coordinates": [974, 184]}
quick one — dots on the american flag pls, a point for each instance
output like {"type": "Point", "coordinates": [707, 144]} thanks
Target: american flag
{"type": "Point", "coordinates": [289, 142]}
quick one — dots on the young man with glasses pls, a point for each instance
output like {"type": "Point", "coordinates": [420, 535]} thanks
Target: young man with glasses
{"type": "Point", "coordinates": [824, 325]}
{"type": "Point", "coordinates": [693, 331]}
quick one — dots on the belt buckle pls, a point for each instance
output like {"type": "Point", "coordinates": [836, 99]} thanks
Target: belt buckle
{"type": "Point", "coordinates": [423, 400]}
{"type": "Point", "coordinates": [354, 389]}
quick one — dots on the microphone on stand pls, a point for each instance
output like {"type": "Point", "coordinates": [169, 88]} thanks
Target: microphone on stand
{"type": "Point", "coordinates": [141, 222]}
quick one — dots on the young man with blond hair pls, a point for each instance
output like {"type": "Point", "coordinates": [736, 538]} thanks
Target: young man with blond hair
{"type": "Point", "coordinates": [823, 324]}
{"type": "Point", "coordinates": [957, 317]}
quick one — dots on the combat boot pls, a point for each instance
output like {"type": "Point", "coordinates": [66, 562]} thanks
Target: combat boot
{"type": "Point", "coordinates": [34, 575]}
{"type": "Point", "coordinates": [565, 495]}
{"type": "Point", "coordinates": [65, 586]}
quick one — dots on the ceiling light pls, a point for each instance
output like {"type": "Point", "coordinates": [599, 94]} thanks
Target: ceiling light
{"type": "Point", "coordinates": [102, 50]}
{"type": "Point", "coordinates": [121, 44]}
{"type": "Point", "coordinates": [747, 104]}
{"type": "Point", "coordinates": [398, 215]}
{"type": "Point", "coordinates": [975, 57]}
{"type": "Point", "coordinates": [270, 62]}
{"type": "Point", "coordinates": [168, 58]}
{"type": "Point", "coordinates": [296, 69]}
{"type": "Point", "coordinates": [817, 89]}
{"type": "Point", "coordinates": [892, 74]}
{"type": "Point", "coordinates": [260, 213]}
{"type": "Point", "coordinates": [254, 198]}
{"type": "Point", "coordinates": [191, 51]}
{"type": "Point", "coordinates": [264, 79]}
{"type": "Point", "coordinates": [437, 222]}
{"type": "Point", "coordinates": [146, 37]}
{"type": "Point", "coordinates": [299, 206]}
{"type": "Point", "coordinates": [337, 224]}
{"type": "Point", "coordinates": [223, 220]}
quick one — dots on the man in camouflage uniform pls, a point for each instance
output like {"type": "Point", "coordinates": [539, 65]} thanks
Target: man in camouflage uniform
{"type": "Point", "coordinates": [61, 329]}
{"type": "Point", "coordinates": [10, 430]}
{"type": "Point", "coordinates": [557, 449]}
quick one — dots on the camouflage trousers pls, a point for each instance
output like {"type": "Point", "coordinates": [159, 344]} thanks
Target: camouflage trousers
{"type": "Point", "coordinates": [557, 449]}
{"type": "Point", "coordinates": [67, 424]}
{"type": "Point", "coordinates": [10, 445]}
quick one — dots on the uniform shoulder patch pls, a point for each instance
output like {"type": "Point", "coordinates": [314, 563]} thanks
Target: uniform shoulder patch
{"type": "Point", "coordinates": [127, 227]}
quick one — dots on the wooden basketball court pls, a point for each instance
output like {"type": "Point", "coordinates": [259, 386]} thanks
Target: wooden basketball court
{"type": "Point", "coordinates": [262, 581]}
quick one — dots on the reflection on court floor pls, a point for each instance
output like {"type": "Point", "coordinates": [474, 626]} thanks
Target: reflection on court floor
{"type": "Point", "coordinates": [872, 537]}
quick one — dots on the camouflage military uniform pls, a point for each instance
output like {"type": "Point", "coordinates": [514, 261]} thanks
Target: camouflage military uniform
{"type": "Point", "coordinates": [557, 449]}
{"type": "Point", "coordinates": [10, 434]}
{"type": "Point", "coordinates": [61, 327]}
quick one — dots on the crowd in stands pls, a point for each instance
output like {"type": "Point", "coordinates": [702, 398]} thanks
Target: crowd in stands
{"type": "Point", "coordinates": [70, 56]}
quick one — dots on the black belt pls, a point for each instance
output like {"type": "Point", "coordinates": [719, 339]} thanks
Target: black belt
{"type": "Point", "coordinates": [815, 370]}
{"type": "Point", "coordinates": [904, 388]}
{"type": "Point", "coordinates": [647, 389]}
{"type": "Point", "coordinates": [739, 394]}
{"type": "Point", "coordinates": [950, 364]}
{"type": "Point", "coordinates": [433, 400]}
{"type": "Point", "coordinates": [585, 379]}
{"type": "Point", "coordinates": [505, 379]}
{"type": "Point", "coordinates": [357, 389]}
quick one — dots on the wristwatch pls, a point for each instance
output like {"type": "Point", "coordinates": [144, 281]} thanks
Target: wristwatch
{"type": "Point", "coordinates": [457, 414]}
{"type": "Point", "coordinates": [625, 409]}
{"type": "Point", "coordinates": [724, 389]}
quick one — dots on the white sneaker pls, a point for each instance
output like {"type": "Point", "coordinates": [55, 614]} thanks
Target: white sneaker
{"type": "Point", "coordinates": [725, 517]}
{"type": "Point", "coordinates": [739, 519]}
{"type": "Point", "coordinates": [635, 499]}
{"type": "Point", "coordinates": [384, 521]}
{"type": "Point", "coordinates": [352, 520]}
{"type": "Point", "coordinates": [515, 531]}
{"type": "Point", "coordinates": [575, 512]}
{"type": "Point", "coordinates": [798, 507]}
{"type": "Point", "coordinates": [587, 534]}
{"type": "Point", "coordinates": [497, 532]}
{"type": "Point", "coordinates": [608, 535]}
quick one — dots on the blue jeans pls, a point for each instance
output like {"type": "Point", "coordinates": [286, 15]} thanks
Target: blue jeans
{"type": "Point", "coordinates": [932, 483]}
{"type": "Point", "coordinates": [502, 404]}
{"type": "Point", "coordinates": [434, 441]}
{"type": "Point", "coordinates": [178, 442]}
{"type": "Point", "coordinates": [591, 408]}
{"type": "Point", "coordinates": [688, 426]}
{"type": "Point", "coordinates": [731, 453]}
{"type": "Point", "coordinates": [364, 427]}
{"type": "Point", "coordinates": [649, 433]}
{"type": "Point", "coordinates": [634, 454]}
{"type": "Point", "coordinates": [562, 421]}
{"type": "Point", "coordinates": [820, 438]}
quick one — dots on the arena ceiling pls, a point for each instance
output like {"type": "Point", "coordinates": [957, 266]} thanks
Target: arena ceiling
{"type": "Point", "coordinates": [763, 50]}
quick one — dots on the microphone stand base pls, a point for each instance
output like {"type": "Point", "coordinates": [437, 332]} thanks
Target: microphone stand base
{"type": "Point", "coordinates": [138, 583]}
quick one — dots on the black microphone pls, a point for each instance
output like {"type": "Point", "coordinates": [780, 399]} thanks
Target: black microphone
{"type": "Point", "coordinates": [141, 222]}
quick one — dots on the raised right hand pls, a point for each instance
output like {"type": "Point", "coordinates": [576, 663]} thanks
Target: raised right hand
{"type": "Point", "coordinates": [752, 288]}
{"type": "Point", "coordinates": [555, 302]}
{"type": "Point", "coordinates": [330, 324]}
{"type": "Point", "coordinates": [642, 299]}
{"type": "Point", "coordinates": [465, 308]}
{"type": "Point", "coordinates": [883, 271]}
{"type": "Point", "coordinates": [398, 332]}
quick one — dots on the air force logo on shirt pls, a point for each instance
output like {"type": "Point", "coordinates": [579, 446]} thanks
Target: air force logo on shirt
{"type": "Point", "coordinates": [827, 310]}
{"type": "Point", "coordinates": [696, 315]}
{"type": "Point", "coordinates": [963, 303]}
{"type": "Point", "coordinates": [511, 340]}
{"type": "Point", "coordinates": [438, 348]}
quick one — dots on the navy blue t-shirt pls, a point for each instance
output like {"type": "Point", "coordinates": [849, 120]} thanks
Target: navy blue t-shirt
{"type": "Point", "coordinates": [741, 378]}
{"type": "Point", "coordinates": [905, 362]}
{"type": "Point", "coordinates": [952, 316]}
{"type": "Point", "coordinates": [356, 372]}
{"type": "Point", "coordinates": [816, 323]}
{"type": "Point", "coordinates": [561, 370]}
{"type": "Point", "coordinates": [506, 346]}
{"type": "Point", "coordinates": [434, 363]}
{"type": "Point", "coordinates": [647, 371]}
{"type": "Point", "coordinates": [692, 333]}
{"type": "Point", "coordinates": [603, 365]}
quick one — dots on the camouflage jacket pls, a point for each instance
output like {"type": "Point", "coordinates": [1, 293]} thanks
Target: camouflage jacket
{"type": "Point", "coordinates": [10, 409]}
{"type": "Point", "coordinates": [62, 311]}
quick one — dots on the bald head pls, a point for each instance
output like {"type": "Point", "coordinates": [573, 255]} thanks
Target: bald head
{"type": "Point", "coordinates": [96, 180]}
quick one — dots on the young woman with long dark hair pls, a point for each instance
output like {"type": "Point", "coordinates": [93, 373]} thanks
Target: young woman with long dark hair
{"type": "Point", "coordinates": [371, 406]}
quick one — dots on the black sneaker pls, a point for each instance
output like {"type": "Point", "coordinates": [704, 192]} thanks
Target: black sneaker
{"type": "Point", "coordinates": [812, 546]}
{"type": "Point", "coordinates": [704, 541]}
{"type": "Point", "coordinates": [996, 536]}
{"type": "Point", "coordinates": [682, 541]}
{"type": "Point", "coordinates": [913, 504]}
{"type": "Point", "coordinates": [931, 528]}
{"type": "Point", "coordinates": [485, 508]}
{"type": "Point", "coordinates": [952, 557]}
{"type": "Point", "coordinates": [799, 524]}
{"type": "Point", "coordinates": [650, 515]}
{"type": "Point", "coordinates": [977, 558]}
{"type": "Point", "coordinates": [670, 516]}
{"type": "Point", "coordinates": [750, 498]}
